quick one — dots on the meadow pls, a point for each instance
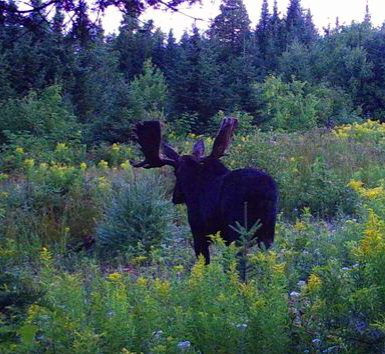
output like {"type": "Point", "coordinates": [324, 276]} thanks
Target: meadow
{"type": "Point", "coordinates": [95, 258]}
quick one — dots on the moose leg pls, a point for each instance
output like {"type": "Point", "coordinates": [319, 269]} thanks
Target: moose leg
{"type": "Point", "coordinates": [201, 247]}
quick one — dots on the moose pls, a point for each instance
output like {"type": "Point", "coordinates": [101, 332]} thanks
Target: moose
{"type": "Point", "coordinates": [215, 196]}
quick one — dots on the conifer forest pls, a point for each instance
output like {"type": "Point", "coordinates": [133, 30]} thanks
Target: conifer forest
{"type": "Point", "coordinates": [98, 255]}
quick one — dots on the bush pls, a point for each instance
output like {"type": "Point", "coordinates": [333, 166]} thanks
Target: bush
{"type": "Point", "coordinates": [297, 105]}
{"type": "Point", "coordinates": [41, 115]}
{"type": "Point", "coordinates": [137, 218]}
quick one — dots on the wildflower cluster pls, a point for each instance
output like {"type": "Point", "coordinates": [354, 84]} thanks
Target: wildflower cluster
{"type": "Point", "coordinates": [367, 131]}
{"type": "Point", "coordinates": [367, 193]}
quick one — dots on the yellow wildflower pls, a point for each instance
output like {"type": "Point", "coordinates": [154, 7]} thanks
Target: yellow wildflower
{"type": "Point", "coordinates": [299, 225]}
{"type": "Point", "coordinates": [103, 165]}
{"type": "Point", "coordinates": [373, 193]}
{"type": "Point", "coordinates": [115, 277]}
{"type": "Point", "coordinates": [115, 147]}
{"type": "Point", "coordinates": [355, 185]}
{"type": "Point", "coordinates": [162, 286]}
{"type": "Point", "coordinates": [125, 165]}
{"type": "Point", "coordinates": [43, 166]}
{"type": "Point", "coordinates": [103, 184]}
{"type": "Point", "coordinates": [247, 289]}
{"type": "Point", "coordinates": [279, 268]}
{"type": "Point", "coordinates": [197, 272]}
{"type": "Point", "coordinates": [83, 166]}
{"type": "Point", "coordinates": [29, 163]}
{"type": "Point", "coordinates": [61, 147]}
{"type": "Point", "coordinates": [141, 281]}
{"type": "Point", "coordinates": [33, 310]}
{"type": "Point", "coordinates": [19, 150]}
{"type": "Point", "coordinates": [314, 282]}
{"type": "Point", "coordinates": [373, 240]}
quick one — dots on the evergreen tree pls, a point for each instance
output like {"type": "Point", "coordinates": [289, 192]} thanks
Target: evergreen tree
{"type": "Point", "coordinates": [264, 30]}
{"type": "Point", "coordinates": [148, 94]}
{"type": "Point", "coordinates": [186, 91]}
{"type": "Point", "coordinates": [310, 34]}
{"type": "Point", "coordinates": [211, 89]}
{"type": "Point", "coordinates": [158, 48]}
{"type": "Point", "coordinates": [134, 44]}
{"type": "Point", "coordinates": [101, 95]}
{"type": "Point", "coordinates": [277, 39]}
{"type": "Point", "coordinates": [171, 58]}
{"type": "Point", "coordinates": [368, 17]}
{"type": "Point", "coordinates": [230, 29]}
{"type": "Point", "coordinates": [299, 26]}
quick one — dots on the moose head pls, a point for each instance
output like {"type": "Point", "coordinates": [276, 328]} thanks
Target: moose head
{"type": "Point", "coordinates": [216, 197]}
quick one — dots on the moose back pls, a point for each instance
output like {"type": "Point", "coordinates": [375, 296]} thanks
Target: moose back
{"type": "Point", "coordinates": [216, 197]}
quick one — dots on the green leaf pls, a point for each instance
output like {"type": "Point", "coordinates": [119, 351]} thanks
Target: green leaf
{"type": "Point", "coordinates": [27, 333]}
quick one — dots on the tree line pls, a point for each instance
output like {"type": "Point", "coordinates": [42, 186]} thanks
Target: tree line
{"type": "Point", "coordinates": [282, 73]}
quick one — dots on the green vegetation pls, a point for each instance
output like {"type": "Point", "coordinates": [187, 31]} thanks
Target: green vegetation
{"type": "Point", "coordinates": [94, 258]}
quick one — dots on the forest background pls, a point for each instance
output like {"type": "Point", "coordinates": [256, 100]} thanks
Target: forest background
{"type": "Point", "coordinates": [281, 71]}
{"type": "Point", "coordinates": [94, 258]}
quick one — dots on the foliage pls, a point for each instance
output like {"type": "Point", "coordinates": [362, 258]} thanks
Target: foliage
{"type": "Point", "coordinates": [148, 94]}
{"type": "Point", "coordinates": [297, 105]}
{"type": "Point", "coordinates": [94, 259]}
{"type": "Point", "coordinates": [43, 116]}
{"type": "Point", "coordinates": [137, 219]}
{"type": "Point", "coordinates": [320, 287]}
{"type": "Point", "coordinates": [208, 309]}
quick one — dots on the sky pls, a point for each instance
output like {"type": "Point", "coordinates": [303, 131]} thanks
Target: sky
{"type": "Point", "coordinates": [323, 11]}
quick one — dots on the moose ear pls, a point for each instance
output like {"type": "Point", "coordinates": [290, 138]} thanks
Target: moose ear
{"type": "Point", "coordinates": [170, 152]}
{"type": "Point", "coordinates": [199, 149]}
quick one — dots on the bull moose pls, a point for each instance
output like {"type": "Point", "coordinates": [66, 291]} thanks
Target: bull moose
{"type": "Point", "coordinates": [215, 196]}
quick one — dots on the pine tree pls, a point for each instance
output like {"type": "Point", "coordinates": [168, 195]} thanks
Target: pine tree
{"type": "Point", "coordinates": [277, 40]}
{"type": "Point", "coordinates": [158, 48]}
{"type": "Point", "coordinates": [263, 30]}
{"type": "Point", "coordinates": [171, 57]}
{"type": "Point", "coordinates": [368, 17]}
{"type": "Point", "coordinates": [310, 33]}
{"type": "Point", "coordinates": [134, 44]}
{"type": "Point", "coordinates": [230, 29]}
{"type": "Point", "coordinates": [186, 89]}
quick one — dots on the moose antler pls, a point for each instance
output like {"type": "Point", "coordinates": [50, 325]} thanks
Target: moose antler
{"type": "Point", "coordinates": [223, 138]}
{"type": "Point", "coordinates": [148, 135]}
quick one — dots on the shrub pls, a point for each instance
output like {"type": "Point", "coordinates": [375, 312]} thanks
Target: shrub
{"type": "Point", "coordinates": [41, 115]}
{"type": "Point", "coordinates": [137, 218]}
{"type": "Point", "coordinates": [297, 105]}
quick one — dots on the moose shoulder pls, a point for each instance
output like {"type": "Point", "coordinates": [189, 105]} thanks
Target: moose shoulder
{"type": "Point", "coordinates": [216, 197]}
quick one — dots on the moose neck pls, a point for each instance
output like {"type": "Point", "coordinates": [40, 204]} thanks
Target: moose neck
{"type": "Point", "coordinates": [202, 194]}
